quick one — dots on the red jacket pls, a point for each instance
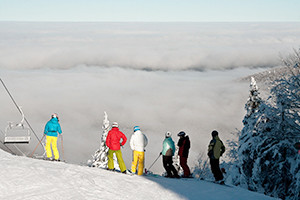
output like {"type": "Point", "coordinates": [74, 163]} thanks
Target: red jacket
{"type": "Point", "coordinates": [113, 139]}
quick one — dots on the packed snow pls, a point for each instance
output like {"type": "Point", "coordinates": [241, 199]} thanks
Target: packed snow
{"type": "Point", "coordinates": [27, 178]}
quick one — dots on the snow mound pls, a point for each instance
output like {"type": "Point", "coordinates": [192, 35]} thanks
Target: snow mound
{"type": "Point", "coordinates": [25, 178]}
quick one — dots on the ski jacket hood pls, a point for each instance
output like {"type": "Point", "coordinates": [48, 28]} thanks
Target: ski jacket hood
{"type": "Point", "coordinates": [138, 141]}
{"type": "Point", "coordinates": [113, 139]}
{"type": "Point", "coordinates": [184, 145]}
{"type": "Point", "coordinates": [52, 127]}
{"type": "Point", "coordinates": [168, 145]}
{"type": "Point", "coordinates": [215, 148]}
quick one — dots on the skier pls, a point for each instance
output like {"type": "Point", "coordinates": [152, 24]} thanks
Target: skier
{"type": "Point", "coordinates": [183, 152]}
{"type": "Point", "coordinates": [51, 129]}
{"type": "Point", "coordinates": [168, 153]}
{"type": "Point", "coordinates": [113, 142]}
{"type": "Point", "coordinates": [138, 142]}
{"type": "Point", "coordinates": [215, 150]}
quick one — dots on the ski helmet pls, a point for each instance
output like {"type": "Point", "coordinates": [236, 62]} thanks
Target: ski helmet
{"type": "Point", "coordinates": [168, 134]}
{"type": "Point", "coordinates": [181, 133]}
{"type": "Point", "coordinates": [115, 124]}
{"type": "Point", "coordinates": [136, 128]}
{"type": "Point", "coordinates": [214, 133]}
{"type": "Point", "coordinates": [54, 115]}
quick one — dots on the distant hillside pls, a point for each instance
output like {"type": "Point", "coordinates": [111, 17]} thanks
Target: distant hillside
{"type": "Point", "coordinates": [265, 79]}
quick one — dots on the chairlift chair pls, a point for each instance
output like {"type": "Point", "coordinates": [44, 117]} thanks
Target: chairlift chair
{"type": "Point", "coordinates": [17, 133]}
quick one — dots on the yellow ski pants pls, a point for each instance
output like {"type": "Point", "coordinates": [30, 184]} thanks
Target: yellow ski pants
{"type": "Point", "coordinates": [119, 158]}
{"type": "Point", "coordinates": [138, 159]}
{"type": "Point", "coordinates": [51, 141]}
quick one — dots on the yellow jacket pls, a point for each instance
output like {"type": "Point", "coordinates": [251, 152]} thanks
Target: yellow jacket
{"type": "Point", "coordinates": [215, 148]}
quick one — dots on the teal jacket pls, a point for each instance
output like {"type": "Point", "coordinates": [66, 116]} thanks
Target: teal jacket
{"type": "Point", "coordinates": [168, 144]}
{"type": "Point", "coordinates": [52, 128]}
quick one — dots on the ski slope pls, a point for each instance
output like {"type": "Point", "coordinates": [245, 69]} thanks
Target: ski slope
{"type": "Point", "coordinates": [26, 178]}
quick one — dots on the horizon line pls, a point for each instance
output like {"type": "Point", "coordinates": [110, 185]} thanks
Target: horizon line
{"type": "Point", "coordinates": [59, 21]}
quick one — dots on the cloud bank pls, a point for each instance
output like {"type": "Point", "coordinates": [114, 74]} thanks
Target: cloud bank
{"type": "Point", "coordinates": [151, 46]}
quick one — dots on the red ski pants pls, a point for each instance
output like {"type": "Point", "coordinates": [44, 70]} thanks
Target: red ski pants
{"type": "Point", "coordinates": [185, 167]}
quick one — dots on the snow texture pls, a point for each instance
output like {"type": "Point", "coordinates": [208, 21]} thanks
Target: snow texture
{"type": "Point", "coordinates": [25, 178]}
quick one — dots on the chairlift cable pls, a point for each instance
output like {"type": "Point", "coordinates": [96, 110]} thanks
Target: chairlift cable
{"type": "Point", "coordinates": [23, 154]}
{"type": "Point", "coordinates": [31, 155]}
{"type": "Point", "coordinates": [8, 148]}
{"type": "Point", "coordinates": [20, 111]}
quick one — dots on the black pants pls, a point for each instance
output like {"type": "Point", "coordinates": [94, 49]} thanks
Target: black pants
{"type": "Point", "coordinates": [169, 167]}
{"type": "Point", "coordinates": [215, 168]}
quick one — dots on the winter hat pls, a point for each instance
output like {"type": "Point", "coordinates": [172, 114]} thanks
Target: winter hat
{"type": "Point", "coordinates": [168, 134]}
{"type": "Point", "coordinates": [136, 128]}
{"type": "Point", "coordinates": [115, 124]}
{"type": "Point", "coordinates": [181, 133]}
{"type": "Point", "coordinates": [214, 133]}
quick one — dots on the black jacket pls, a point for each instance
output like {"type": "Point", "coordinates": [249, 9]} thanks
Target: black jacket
{"type": "Point", "coordinates": [184, 145]}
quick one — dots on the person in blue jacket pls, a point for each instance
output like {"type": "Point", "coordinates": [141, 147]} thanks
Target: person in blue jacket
{"type": "Point", "coordinates": [52, 129]}
{"type": "Point", "coordinates": [168, 153]}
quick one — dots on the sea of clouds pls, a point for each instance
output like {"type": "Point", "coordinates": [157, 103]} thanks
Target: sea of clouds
{"type": "Point", "coordinates": [160, 76]}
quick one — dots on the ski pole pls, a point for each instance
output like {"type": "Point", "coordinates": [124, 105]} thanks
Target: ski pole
{"type": "Point", "coordinates": [154, 161]}
{"type": "Point", "coordinates": [37, 146]}
{"type": "Point", "coordinates": [62, 147]}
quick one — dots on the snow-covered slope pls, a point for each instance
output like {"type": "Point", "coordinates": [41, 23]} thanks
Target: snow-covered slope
{"type": "Point", "coordinates": [26, 178]}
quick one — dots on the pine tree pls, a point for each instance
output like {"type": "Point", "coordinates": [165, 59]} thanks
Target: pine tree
{"type": "Point", "coordinates": [100, 156]}
{"type": "Point", "coordinates": [285, 133]}
{"type": "Point", "coordinates": [254, 99]}
{"type": "Point", "coordinates": [249, 137]}
{"type": "Point", "coordinates": [268, 162]}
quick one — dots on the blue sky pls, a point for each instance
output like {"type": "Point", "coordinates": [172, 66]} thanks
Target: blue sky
{"type": "Point", "coordinates": [149, 10]}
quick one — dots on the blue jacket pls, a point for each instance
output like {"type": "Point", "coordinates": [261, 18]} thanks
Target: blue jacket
{"type": "Point", "coordinates": [168, 144]}
{"type": "Point", "coordinates": [52, 127]}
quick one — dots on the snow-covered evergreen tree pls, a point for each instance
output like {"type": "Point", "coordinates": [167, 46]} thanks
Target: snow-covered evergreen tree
{"type": "Point", "coordinates": [100, 156]}
{"type": "Point", "coordinates": [249, 137]}
{"type": "Point", "coordinates": [271, 168]}
{"type": "Point", "coordinates": [285, 133]}
{"type": "Point", "coordinates": [254, 99]}
{"type": "Point", "coordinates": [268, 161]}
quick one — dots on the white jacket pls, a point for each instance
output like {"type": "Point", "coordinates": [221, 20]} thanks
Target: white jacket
{"type": "Point", "coordinates": [138, 141]}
